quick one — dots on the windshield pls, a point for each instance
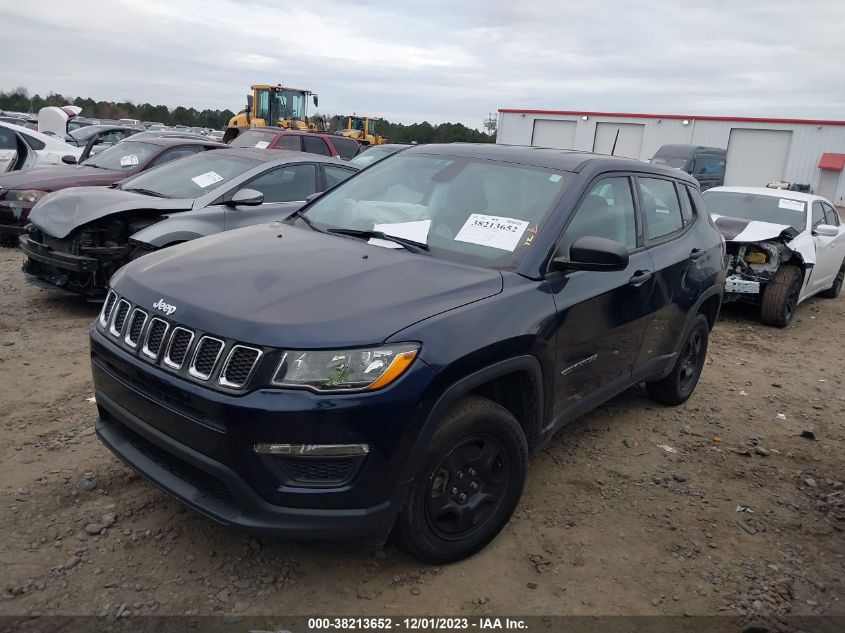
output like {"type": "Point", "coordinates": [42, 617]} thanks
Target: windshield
{"type": "Point", "coordinates": [287, 104]}
{"type": "Point", "coordinates": [469, 210]}
{"type": "Point", "coordinates": [123, 156]}
{"type": "Point", "coordinates": [192, 176]}
{"type": "Point", "coordinates": [254, 138]}
{"type": "Point", "coordinates": [677, 162]}
{"type": "Point", "coordinates": [749, 206]}
{"type": "Point", "coordinates": [373, 155]}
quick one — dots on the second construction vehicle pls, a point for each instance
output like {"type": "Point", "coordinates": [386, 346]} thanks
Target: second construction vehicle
{"type": "Point", "coordinates": [277, 105]}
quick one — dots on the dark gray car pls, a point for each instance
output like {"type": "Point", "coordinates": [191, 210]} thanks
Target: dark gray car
{"type": "Point", "coordinates": [79, 237]}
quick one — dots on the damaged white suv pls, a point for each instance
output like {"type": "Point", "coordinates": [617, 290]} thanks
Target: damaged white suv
{"type": "Point", "coordinates": [782, 247]}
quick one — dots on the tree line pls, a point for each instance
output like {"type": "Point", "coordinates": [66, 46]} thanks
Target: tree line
{"type": "Point", "coordinates": [19, 100]}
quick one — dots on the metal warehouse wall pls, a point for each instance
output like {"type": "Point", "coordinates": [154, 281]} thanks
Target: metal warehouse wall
{"type": "Point", "coordinates": [809, 140]}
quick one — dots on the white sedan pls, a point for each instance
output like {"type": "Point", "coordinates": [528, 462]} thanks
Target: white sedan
{"type": "Point", "coordinates": [782, 247]}
{"type": "Point", "coordinates": [21, 148]}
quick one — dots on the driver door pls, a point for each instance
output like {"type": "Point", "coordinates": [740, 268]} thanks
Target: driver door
{"type": "Point", "coordinates": [285, 190]}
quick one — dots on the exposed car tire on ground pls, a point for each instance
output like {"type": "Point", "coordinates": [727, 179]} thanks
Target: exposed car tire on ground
{"type": "Point", "coordinates": [836, 288]}
{"type": "Point", "coordinates": [675, 388]}
{"type": "Point", "coordinates": [780, 297]}
{"type": "Point", "coordinates": [468, 485]}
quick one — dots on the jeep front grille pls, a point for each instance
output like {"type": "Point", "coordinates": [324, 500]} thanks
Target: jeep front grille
{"type": "Point", "coordinates": [239, 366]}
{"type": "Point", "coordinates": [177, 349]}
{"type": "Point", "coordinates": [205, 357]}
{"type": "Point", "coordinates": [120, 313]}
{"type": "Point", "coordinates": [136, 326]}
{"type": "Point", "coordinates": [155, 337]}
{"type": "Point", "coordinates": [107, 308]}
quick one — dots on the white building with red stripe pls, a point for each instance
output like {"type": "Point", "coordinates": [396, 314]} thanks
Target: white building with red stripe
{"type": "Point", "coordinates": [760, 150]}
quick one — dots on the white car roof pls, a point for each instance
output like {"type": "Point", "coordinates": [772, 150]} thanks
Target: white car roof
{"type": "Point", "coordinates": [774, 193]}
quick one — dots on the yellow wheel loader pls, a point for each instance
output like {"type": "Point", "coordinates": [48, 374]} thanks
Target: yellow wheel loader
{"type": "Point", "coordinates": [363, 130]}
{"type": "Point", "coordinates": [273, 105]}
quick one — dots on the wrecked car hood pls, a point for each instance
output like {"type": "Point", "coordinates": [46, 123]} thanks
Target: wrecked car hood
{"type": "Point", "coordinates": [741, 230]}
{"type": "Point", "coordinates": [61, 212]}
{"type": "Point", "coordinates": [285, 286]}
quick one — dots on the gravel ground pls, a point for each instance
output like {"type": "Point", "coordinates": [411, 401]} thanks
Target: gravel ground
{"type": "Point", "coordinates": [719, 506]}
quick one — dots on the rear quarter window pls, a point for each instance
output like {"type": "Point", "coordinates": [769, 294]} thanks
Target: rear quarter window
{"type": "Point", "coordinates": [346, 147]}
{"type": "Point", "coordinates": [33, 142]}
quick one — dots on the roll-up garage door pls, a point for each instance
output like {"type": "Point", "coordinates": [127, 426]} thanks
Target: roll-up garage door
{"type": "Point", "coordinates": [553, 133]}
{"type": "Point", "coordinates": [628, 138]}
{"type": "Point", "coordinates": [756, 157]}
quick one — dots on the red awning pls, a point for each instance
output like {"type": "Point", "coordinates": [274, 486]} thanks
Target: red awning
{"type": "Point", "coordinates": [835, 162]}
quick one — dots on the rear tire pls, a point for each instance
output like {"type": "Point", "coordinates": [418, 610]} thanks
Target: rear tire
{"type": "Point", "coordinates": [780, 297]}
{"type": "Point", "coordinates": [468, 484]}
{"type": "Point", "coordinates": [678, 386]}
{"type": "Point", "coordinates": [836, 288]}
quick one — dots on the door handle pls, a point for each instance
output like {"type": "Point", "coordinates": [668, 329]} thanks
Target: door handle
{"type": "Point", "coordinates": [696, 253]}
{"type": "Point", "coordinates": [639, 278]}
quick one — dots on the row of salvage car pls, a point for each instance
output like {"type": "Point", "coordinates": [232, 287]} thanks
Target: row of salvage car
{"type": "Point", "coordinates": [142, 195]}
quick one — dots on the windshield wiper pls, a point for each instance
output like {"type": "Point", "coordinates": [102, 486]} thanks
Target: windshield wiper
{"type": "Point", "coordinates": [147, 192]}
{"type": "Point", "coordinates": [411, 245]}
{"type": "Point", "coordinates": [298, 213]}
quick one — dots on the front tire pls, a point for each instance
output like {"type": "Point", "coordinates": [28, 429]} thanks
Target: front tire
{"type": "Point", "coordinates": [678, 386]}
{"type": "Point", "coordinates": [780, 297]}
{"type": "Point", "coordinates": [468, 485]}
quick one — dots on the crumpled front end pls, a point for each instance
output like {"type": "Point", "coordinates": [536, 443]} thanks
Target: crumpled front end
{"type": "Point", "coordinates": [751, 265]}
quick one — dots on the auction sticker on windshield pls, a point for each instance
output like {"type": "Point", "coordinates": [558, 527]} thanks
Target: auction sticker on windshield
{"type": "Point", "coordinates": [129, 160]}
{"type": "Point", "coordinates": [262, 144]}
{"type": "Point", "coordinates": [792, 205]}
{"type": "Point", "coordinates": [493, 231]}
{"type": "Point", "coordinates": [207, 179]}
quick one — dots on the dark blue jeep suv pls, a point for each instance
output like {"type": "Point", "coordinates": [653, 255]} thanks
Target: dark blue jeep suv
{"type": "Point", "coordinates": [386, 358]}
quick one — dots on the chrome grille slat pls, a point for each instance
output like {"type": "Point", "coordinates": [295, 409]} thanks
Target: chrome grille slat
{"type": "Point", "coordinates": [108, 304]}
{"type": "Point", "coordinates": [156, 334]}
{"type": "Point", "coordinates": [177, 348]}
{"type": "Point", "coordinates": [239, 366]}
{"type": "Point", "coordinates": [119, 318]}
{"type": "Point", "coordinates": [206, 355]}
{"type": "Point", "coordinates": [137, 321]}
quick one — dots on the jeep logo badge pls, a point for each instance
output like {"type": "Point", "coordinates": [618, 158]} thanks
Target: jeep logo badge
{"type": "Point", "coordinates": [165, 307]}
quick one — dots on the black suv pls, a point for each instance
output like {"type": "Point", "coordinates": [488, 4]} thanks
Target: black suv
{"type": "Point", "coordinates": [388, 356]}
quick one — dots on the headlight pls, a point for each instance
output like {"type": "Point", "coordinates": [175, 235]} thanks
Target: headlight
{"type": "Point", "coordinates": [25, 195]}
{"type": "Point", "coordinates": [345, 370]}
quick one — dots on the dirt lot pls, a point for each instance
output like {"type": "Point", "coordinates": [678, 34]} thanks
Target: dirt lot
{"type": "Point", "coordinates": [743, 515]}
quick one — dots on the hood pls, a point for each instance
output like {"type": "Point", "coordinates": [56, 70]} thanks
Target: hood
{"type": "Point", "coordinates": [60, 213]}
{"type": "Point", "coordinates": [284, 286]}
{"type": "Point", "coordinates": [55, 177]}
{"type": "Point", "coordinates": [742, 231]}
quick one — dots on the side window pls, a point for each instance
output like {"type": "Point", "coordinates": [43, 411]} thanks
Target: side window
{"type": "Point", "coordinates": [832, 217]}
{"type": "Point", "coordinates": [33, 142]}
{"type": "Point", "coordinates": [8, 140]}
{"type": "Point", "coordinates": [176, 152]}
{"type": "Point", "coordinates": [286, 184]}
{"type": "Point", "coordinates": [291, 141]}
{"type": "Point", "coordinates": [818, 214]}
{"type": "Point", "coordinates": [659, 205]}
{"type": "Point", "coordinates": [607, 211]}
{"type": "Point", "coordinates": [346, 147]}
{"type": "Point", "coordinates": [686, 203]}
{"type": "Point", "coordinates": [315, 145]}
{"type": "Point", "coordinates": [336, 175]}
{"type": "Point", "coordinates": [708, 165]}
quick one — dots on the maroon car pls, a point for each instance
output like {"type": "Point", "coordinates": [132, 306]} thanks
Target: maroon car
{"type": "Point", "coordinates": [312, 142]}
{"type": "Point", "coordinates": [20, 190]}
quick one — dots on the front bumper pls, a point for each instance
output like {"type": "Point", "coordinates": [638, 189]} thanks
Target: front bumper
{"type": "Point", "coordinates": [55, 259]}
{"type": "Point", "coordinates": [197, 444]}
{"type": "Point", "coordinates": [738, 285]}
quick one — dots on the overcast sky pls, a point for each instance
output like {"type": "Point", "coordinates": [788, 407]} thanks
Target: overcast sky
{"type": "Point", "coordinates": [439, 61]}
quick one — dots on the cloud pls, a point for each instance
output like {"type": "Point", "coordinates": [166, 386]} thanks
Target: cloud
{"type": "Point", "coordinates": [439, 61]}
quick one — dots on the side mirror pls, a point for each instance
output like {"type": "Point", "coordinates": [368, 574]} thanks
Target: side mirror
{"type": "Point", "coordinates": [314, 196]}
{"type": "Point", "coordinates": [593, 253]}
{"type": "Point", "coordinates": [826, 230]}
{"type": "Point", "coordinates": [249, 102]}
{"type": "Point", "coordinates": [316, 101]}
{"type": "Point", "coordinates": [67, 159]}
{"type": "Point", "coordinates": [246, 198]}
